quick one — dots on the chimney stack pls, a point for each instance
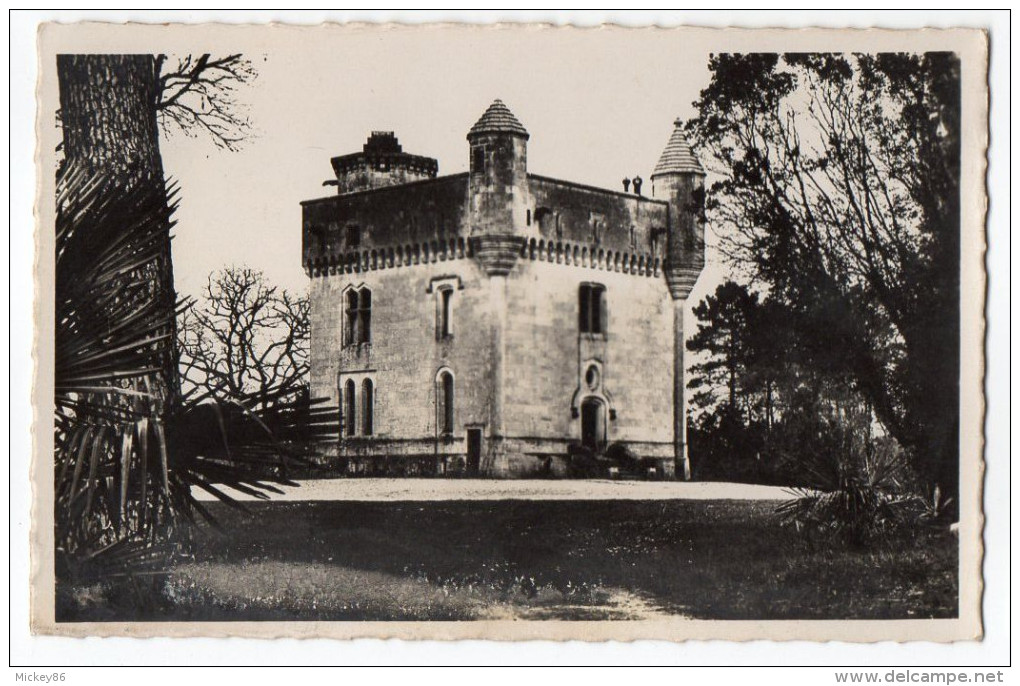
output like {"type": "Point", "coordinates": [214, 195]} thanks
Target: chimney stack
{"type": "Point", "coordinates": [637, 185]}
{"type": "Point", "coordinates": [626, 185]}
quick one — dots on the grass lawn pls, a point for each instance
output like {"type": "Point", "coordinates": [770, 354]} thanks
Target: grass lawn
{"type": "Point", "coordinates": [709, 559]}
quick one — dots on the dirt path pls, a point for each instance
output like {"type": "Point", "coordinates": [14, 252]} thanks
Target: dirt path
{"type": "Point", "coordinates": [424, 490]}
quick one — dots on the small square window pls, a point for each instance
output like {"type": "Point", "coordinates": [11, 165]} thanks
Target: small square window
{"type": "Point", "coordinates": [353, 236]}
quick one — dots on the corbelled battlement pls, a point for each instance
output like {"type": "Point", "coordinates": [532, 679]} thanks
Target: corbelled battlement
{"type": "Point", "coordinates": [431, 252]}
{"type": "Point", "coordinates": [568, 223]}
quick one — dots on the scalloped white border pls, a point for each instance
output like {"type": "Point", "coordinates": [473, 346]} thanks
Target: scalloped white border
{"type": "Point", "coordinates": [971, 45]}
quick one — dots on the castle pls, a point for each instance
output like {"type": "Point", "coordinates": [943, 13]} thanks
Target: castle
{"type": "Point", "coordinates": [491, 322]}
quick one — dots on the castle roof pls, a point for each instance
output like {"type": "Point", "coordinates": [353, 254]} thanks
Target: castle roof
{"type": "Point", "coordinates": [498, 119]}
{"type": "Point", "coordinates": [678, 157]}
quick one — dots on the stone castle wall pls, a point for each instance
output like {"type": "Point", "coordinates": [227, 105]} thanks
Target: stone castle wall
{"type": "Point", "coordinates": [546, 358]}
{"type": "Point", "coordinates": [405, 355]}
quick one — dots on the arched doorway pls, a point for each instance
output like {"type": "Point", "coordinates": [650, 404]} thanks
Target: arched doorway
{"type": "Point", "coordinates": [593, 423]}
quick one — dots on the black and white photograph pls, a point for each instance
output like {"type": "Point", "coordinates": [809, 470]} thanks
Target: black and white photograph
{"type": "Point", "coordinates": [509, 332]}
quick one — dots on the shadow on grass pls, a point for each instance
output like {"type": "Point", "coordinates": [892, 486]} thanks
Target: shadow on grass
{"type": "Point", "coordinates": [536, 560]}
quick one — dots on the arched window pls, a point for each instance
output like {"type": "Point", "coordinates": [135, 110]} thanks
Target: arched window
{"type": "Point", "coordinates": [357, 316]}
{"type": "Point", "coordinates": [351, 318]}
{"type": "Point", "coordinates": [591, 308]}
{"type": "Point", "coordinates": [367, 408]}
{"type": "Point", "coordinates": [444, 399]}
{"type": "Point", "coordinates": [365, 317]}
{"type": "Point", "coordinates": [350, 423]}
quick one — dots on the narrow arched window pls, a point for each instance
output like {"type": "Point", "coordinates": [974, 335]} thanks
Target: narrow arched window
{"type": "Point", "coordinates": [350, 420]}
{"type": "Point", "coordinates": [351, 318]}
{"type": "Point", "coordinates": [591, 308]}
{"type": "Point", "coordinates": [444, 398]}
{"type": "Point", "coordinates": [365, 316]}
{"type": "Point", "coordinates": [367, 407]}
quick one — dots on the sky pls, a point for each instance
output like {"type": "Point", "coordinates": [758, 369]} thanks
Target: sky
{"type": "Point", "coordinates": [599, 105]}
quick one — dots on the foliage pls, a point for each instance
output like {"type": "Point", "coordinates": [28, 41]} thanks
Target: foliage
{"type": "Point", "coordinates": [126, 463]}
{"type": "Point", "coordinates": [764, 397]}
{"type": "Point", "coordinates": [128, 453]}
{"type": "Point", "coordinates": [244, 337]}
{"type": "Point", "coordinates": [856, 493]}
{"type": "Point", "coordinates": [110, 339]}
{"type": "Point", "coordinates": [723, 337]}
{"type": "Point", "coordinates": [835, 183]}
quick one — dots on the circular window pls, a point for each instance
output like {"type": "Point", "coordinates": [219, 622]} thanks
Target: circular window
{"type": "Point", "coordinates": [591, 377]}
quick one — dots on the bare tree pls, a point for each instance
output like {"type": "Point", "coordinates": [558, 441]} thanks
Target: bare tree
{"type": "Point", "coordinates": [244, 337]}
{"type": "Point", "coordinates": [198, 95]}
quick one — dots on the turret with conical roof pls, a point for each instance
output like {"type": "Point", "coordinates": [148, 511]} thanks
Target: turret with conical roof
{"type": "Point", "coordinates": [679, 179]}
{"type": "Point", "coordinates": [498, 187]}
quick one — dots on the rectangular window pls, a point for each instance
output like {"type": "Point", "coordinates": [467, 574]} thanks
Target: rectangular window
{"type": "Point", "coordinates": [353, 236]}
{"type": "Point", "coordinates": [584, 309]}
{"type": "Point", "coordinates": [477, 159]}
{"type": "Point", "coordinates": [442, 289]}
{"type": "Point", "coordinates": [591, 308]}
{"type": "Point", "coordinates": [445, 325]}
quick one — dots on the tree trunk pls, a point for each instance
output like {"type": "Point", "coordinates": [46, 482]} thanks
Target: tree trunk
{"type": "Point", "coordinates": [110, 132]}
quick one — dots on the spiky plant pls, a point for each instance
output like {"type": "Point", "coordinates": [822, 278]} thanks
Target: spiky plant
{"type": "Point", "coordinates": [127, 456]}
{"type": "Point", "coordinates": [856, 493]}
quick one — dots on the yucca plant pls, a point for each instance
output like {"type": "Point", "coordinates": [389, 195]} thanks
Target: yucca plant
{"type": "Point", "coordinates": [856, 493]}
{"type": "Point", "coordinates": [128, 452]}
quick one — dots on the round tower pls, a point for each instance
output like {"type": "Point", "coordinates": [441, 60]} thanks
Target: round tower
{"type": "Point", "coordinates": [498, 188]}
{"type": "Point", "coordinates": [679, 179]}
{"type": "Point", "coordinates": [497, 214]}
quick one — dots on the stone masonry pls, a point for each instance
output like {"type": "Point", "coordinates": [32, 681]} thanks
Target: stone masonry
{"type": "Point", "coordinates": [493, 322]}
